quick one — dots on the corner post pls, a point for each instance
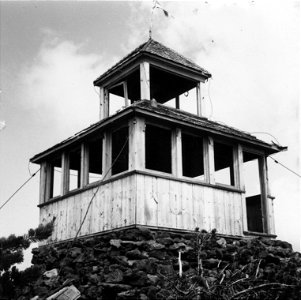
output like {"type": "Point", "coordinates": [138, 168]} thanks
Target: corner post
{"type": "Point", "coordinates": [125, 92]}
{"type": "Point", "coordinates": [65, 174]}
{"type": "Point", "coordinates": [144, 81]}
{"type": "Point", "coordinates": [270, 199]}
{"type": "Point", "coordinates": [176, 153]}
{"type": "Point", "coordinates": [137, 144]}
{"type": "Point", "coordinates": [210, 161]}
{"type": "Point", "coordinates": [264, 194]}
{"type": "Point", "coordinates": [107, 155]}
{"type": "Point", "coordinates": [241, 185]}
{"type": "Point", "coordinates": [84, 165]}
{"type": "Point", "coordinates": [101, 103]}
{"type": "Point", "coordinates": [45, 182]}
{"type": "Point", "coordinates": [199, 100]}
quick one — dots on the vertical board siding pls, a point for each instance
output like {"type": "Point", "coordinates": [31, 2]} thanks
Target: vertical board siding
{"type": "Point", "coordinates": [184, 205]}
{"type": "Point", "coordinates": [146, 200]}
{"type": "Point", "coordinates": [112, 207]}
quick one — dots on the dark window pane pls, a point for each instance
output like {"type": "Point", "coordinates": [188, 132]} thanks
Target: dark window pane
{"type": "Point", "coordinates": [223, 164]}
{"type": "Point", "coordinates": [192, 156]}
{"type": "Point", "coordinates": [120, 150]}
{"type": "Point", "coordinates": [158, 149]}
{"type": "Point", "coordinates": [254, 213]}
{"type": "Point", "coordinates": [95, 160]}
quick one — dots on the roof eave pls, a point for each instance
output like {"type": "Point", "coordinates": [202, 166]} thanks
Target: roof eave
{"type": "Point", "coordinates": [269, 148]}
{"type": "Point", "coordinates": [38, 158]}
{"type": "Point", "coordinates": [80, 136]}
{"type": "Point", "coordinates": [102, 78]}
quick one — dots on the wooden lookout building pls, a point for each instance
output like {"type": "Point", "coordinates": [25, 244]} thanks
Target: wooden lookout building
{"type": "Point", "coordinates": [153, 165]}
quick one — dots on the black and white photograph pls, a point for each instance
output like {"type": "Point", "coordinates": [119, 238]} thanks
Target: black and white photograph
{"type": "Point", "coordinates": [150, 150]}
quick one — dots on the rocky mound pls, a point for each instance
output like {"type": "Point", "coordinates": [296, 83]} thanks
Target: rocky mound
{"type": "Point", "coordinates": [144, 264]}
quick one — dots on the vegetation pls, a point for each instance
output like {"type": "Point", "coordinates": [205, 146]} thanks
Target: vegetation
{"type": "Point", "coordinates": [11, 253]}
{"type": "Point", "coordinates": [252, 274]}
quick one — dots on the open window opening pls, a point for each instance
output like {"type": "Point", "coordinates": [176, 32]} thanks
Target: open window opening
{"type": "Point", "coordinates": [223, 164]}
{"type": "Point", "coordinates": [116, 103]}
{"type": "Point", "coordinates": [157, 148]}
{"type": "Point", "coordinates": [172, 89]}
{"type": "Point", "coordinates": [192, 156]}
{"type": "Point", "coordinates": [253, 192]}
{"type": "Point", "coordinates": [120, 150]}
{"type": "Point", "coordinates": [124, 92]}
{"type": "Point", "coordinates": [95, 160]}
{"type": "Point", "coordinates": [74, 169]}
{"type": "Point", "coordinates": [188, 101]}
{"type": "Point", "coordinates": [56, 177]}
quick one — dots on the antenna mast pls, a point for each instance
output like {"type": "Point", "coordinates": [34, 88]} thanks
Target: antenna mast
{"type": "Point", "coordinates": [151, 19]}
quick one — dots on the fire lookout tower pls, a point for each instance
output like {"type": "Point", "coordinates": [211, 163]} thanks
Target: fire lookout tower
{"type": "Point", "coordinates": [153, 165]}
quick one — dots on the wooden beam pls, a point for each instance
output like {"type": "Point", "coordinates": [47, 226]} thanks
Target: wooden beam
{"type": "Point", "coordinates": [241, 185]}
{"type": "Point", "coordinates": [107, 155]}
{"type": "Point", "coordinates": [106, 109]}
{"type": "Point", "coordinates": [236, 167]}
{"type": "Point", "coordinates": [84, 165]}
{"type": "Point", "coordinates": [125, 92]}
{"type": "Point", "coordinates": [199, 100]}
{"type": "Point", "coordinates": [46, 182]}
{"type": "Point", "coordinates": [270, 205]}
{"type": "Point", "coordinates": [264, 194]}
{"type": "Point", "coordinates": [176, 152]}
{"type": "Point", "coordinates": [144, 81]}
{"type": "Point", "coordinates": [240, 166]}
{"type": "Point", "coordinates": [211, 160]}
{"type": "Point", "coordinates": [177, 102]}
{"type": "Point", "coordinates": [65, 174]}
{"type": "Point", "coordinates": [137, 144]}
{"type": "Point", "coordinates": [206, 159]}
{"type": "Point", "coordinates": [101, 103]}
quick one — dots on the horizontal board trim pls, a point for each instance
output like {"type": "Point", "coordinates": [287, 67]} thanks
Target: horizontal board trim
{"type": "Point", "coordinates": [187, 180]}
{"type": "Point", "coordinates": [262, 234]}
{"type": "Point", "coordinates": [87, 187]}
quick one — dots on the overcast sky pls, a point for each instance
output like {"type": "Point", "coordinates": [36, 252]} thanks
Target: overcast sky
{"type": "Point", "coordinates": [52, 51]}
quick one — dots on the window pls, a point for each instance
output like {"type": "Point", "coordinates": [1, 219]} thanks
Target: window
{"type": "Point", "coordinates": [223, 164]}
{"type": "Point", "coordinates": [56, 176]}
{"type": "Point", "coordinates": [74, 169]}
{"type": "Point", "coordinates": [95, 160]}
{"type": "Point", "coordinates": [157, 149]}
{"type": "Point", "coordinates": [120, 150]}
{"type": "Point", "coordinates": [253, 192]}
{"type": "Point", "coordinates": [192, 156]}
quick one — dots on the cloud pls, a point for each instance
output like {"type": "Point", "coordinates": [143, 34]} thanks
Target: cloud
{"type": "Point", "coordinates": [58, 84]}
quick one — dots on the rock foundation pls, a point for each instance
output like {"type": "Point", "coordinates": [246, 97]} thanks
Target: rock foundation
{"type": "Point", "coordinates": [144, 264]}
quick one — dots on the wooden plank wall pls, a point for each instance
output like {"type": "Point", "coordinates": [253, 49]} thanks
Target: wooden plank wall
{"type": "Point", "coordinates": [112, 207]}
{"type": "Point", "coordinates": [160, 202]}
{"type": "Point", "coordinates": [173, 204]}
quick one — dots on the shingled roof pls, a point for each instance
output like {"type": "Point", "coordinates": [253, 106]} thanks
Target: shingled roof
{"type": "Point", "coordinates": [156, 49]}
{"type": "Point", "coordinates": [173, 115]}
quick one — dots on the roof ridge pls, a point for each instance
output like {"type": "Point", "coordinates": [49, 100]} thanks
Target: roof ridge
{"type": "Point", "coordinates": [176, 52]}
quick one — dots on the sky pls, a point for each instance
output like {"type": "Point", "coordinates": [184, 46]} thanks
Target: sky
{"type": "Point", "coordinates": [52, 51]}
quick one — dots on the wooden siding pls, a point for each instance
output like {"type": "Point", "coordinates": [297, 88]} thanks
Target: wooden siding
{"type": "Point", "coordinates": [112, 207]}
{"type": "Point", "coordinates": [144, 199]}
{"type": "Point", "coordinates": [164, 202]}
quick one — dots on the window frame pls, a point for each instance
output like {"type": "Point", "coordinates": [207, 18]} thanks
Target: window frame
{"type": "Point", "coordinates": [235, 162]}
{"type": "Point", "coordinates": [204, 138]}
{"type": "Point", "coordinates": [109, 159]}
{"type": "Point", "coordinates": [263, 181]}
{"type": "Point", "coordinates": [172, 158]}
